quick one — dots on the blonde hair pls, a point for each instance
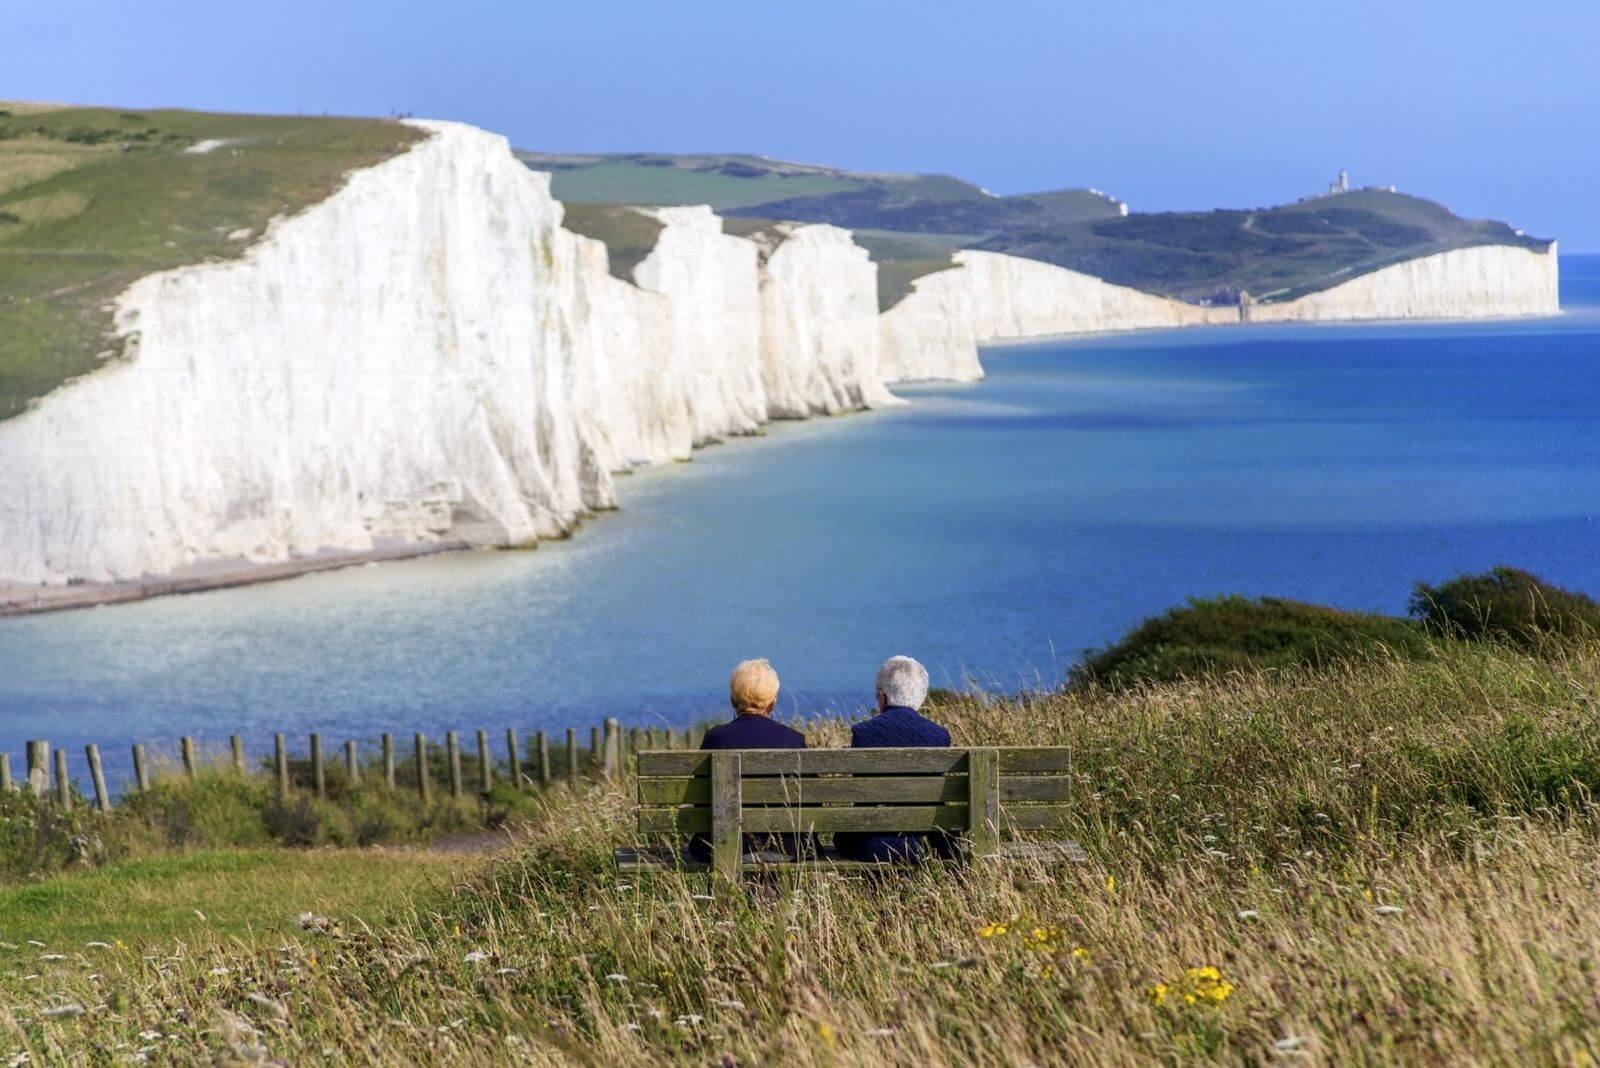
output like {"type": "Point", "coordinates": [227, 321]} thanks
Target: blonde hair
{"type": "Point", "coordinates": [753, 687]}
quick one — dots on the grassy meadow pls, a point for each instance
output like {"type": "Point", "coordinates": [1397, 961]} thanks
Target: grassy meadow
{"type": "Point", "coordinates": [1388, 858]}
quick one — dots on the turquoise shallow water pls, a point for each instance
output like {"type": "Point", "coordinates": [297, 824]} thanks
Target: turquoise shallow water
{"type": "Point", "coordinates": [993, 530]}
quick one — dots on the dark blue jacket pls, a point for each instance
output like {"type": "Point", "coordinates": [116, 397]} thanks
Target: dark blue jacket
{"type": "Point", "coordinates": [750, 732]}
{"type": "Point", "coordinates": [895, 727]}
{"type": "Point", "coordinates": [753, 732]}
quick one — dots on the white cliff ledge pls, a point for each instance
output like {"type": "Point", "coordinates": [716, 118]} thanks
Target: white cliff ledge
{"type": "Point", "coordinates": [428, 358]}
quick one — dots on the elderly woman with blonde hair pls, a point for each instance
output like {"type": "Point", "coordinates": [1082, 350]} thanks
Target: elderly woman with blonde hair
{"type": "Point", "coordinates": [753, 692]}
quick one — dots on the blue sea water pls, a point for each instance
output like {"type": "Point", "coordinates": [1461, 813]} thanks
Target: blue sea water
{"type": "Point", "coordinates": [993, 530]}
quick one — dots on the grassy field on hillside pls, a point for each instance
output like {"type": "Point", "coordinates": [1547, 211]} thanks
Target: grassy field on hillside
{"type": "Point", "coordinates": [722, 181]}
{"type": "Point", "coordinates": [1273, 253]}
{"type": "Point", "coordinates": [1391, 860]}
{"type": "Point", "coordinates": [629, 235]}
{"type": "Point", "coordinates": [914, 222]}
{"type": "Point", "coordinates": [92, 198]}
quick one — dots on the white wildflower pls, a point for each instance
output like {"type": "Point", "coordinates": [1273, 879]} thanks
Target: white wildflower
{"type": "Point", "coordinates": [1389, 910]}
{"type": "Point", "coordinates": [505, 971]}
{"type": "Point", "coordinates": [731, 1003]}
{"type": "Point", "coordinates": [98, 945]}
{"type": "Point", "coordinates": [878, 1032]}
{"type": "Point", "coordinates": [475, 956]}
{"type": "Point", "coordinates": [1290, 1043]}
{"type": "Point", "coordinates": [276, 1008]}
{"type": "Point", "coordinates": [66, 1011]}
{"type": "Point", "coordinates": [1248, 914]}
{"type": "Point", "coordinates": [616, 977]}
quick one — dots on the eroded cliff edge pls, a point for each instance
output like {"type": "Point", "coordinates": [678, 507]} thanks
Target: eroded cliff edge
{"type": "Point", "coordinates": [427, 357]}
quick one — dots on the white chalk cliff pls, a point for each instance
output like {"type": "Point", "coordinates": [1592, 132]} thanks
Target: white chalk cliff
{"type": "Point", "coordinates": [1466, 283]}
{"type": "Point", "coordinates": [427, 355]}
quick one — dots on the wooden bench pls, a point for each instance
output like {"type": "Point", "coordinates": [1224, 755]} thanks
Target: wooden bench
{"type": "Point", "coordinates": [982, 794]}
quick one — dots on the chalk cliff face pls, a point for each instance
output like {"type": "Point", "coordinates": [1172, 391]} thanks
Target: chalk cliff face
{"type": "Point", "coordinates": [1468, 283]}
{"type": "Point", "coordinates": [388, 364]}
{"type": "Point", "coordinates": [819, 325]}
{"type": "Point", "coordinates": [427, 355]}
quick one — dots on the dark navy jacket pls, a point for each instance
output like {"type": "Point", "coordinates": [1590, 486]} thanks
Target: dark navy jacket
{"type": "Point", "coordinates": [750, 732]}
{"type": "Point", "coordinates": [894, 727]}
{"type": "Point", "coordinates": [753, 732]}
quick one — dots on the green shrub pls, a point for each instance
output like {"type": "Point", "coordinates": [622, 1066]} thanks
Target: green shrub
{"type": "Point", "coordinates": [1505, 605]}
{"type": "Point", "coordinates": [36, 835]}
{"type": "Point", "coordinates": [1216, 636]}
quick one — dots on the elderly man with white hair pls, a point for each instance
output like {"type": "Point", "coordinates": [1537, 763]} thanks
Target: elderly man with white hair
{"type": "Point", "coordinates": [902, 687]}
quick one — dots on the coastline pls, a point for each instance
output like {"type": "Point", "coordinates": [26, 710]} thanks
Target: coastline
{"type": "Point", "coordinates": [218, 575]}
{"type": "Point", "coordinates": [19, 600]}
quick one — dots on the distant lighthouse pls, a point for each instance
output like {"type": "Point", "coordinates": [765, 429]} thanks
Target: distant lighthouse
{"type": "Point", "coordinates": [1342, 184]}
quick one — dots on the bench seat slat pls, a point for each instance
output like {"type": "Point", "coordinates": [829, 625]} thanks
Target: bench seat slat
{"type": "Point", "coordinates": [906, 789]}
{"type": "Point", "coordinates": [909, 819]}
{"type": "Point", "coordinates": [635, 859]}
{"type": "Point", "coordinates": [669, 763]}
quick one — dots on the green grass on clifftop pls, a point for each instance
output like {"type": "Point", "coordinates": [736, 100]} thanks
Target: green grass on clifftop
{"type": "Point", "coordinates": [629, 235]}
{"type": "Point", "coordinates": [93, 198]}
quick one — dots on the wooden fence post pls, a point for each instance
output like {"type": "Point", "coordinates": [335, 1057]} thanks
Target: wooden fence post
{"type": "Point", "coordinates": [485, 765]}
{"type": "Point", "coordinates": [319, 772]}
{"type": "Point", "coordinates": [424, 785]}
{"type": "Point", "coordinates": [63, 784]}
{"type": "Point", "coordinates": [236, 744]}
{"type": "Point", "coordinates": [572, 757]}
{"type": "Point", "coordinates": [5, 771]}
{"type": "Point", "coordinates": [652, 738]}
{"type": "Point", "coordinates": [635, 737]}
{"type": "Point", "coordinates": [613, 762]}
{"type": "Point", "coordinates": [388, 761]}
{"type": "Point", "coordinates": [352, 764]}
{"type": "Point", "coordinates": [280, 760]}
{"type": "Point", "coordinates": [983, 801]}
{"type": "Point", "coordinates": [189, 768]}
{"type": "Point", "coordinates": [542, 740]}
{"type": "Point", "coordinates": [597, 758]}
{"type": "Point", "coordinates": [452, 747]}
{"type": "Point", "coordinates": [672, 738]}
{"type": "Point", "coordinates": [102, 799]}
{"type": "Point", "coordinates": [513, 759]}
{"type": "Point", "coordinates": [141, 769]}
{"type": "Point", "coordinates": [727, 839]}
{"type": "Point", "coordinates": [38, 766]}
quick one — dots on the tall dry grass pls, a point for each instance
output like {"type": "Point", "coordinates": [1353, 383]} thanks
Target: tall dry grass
{"type": "Point", "coordinates": [1385, 863]}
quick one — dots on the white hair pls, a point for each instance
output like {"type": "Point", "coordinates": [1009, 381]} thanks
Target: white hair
{"type": "Point", "coordinates": [902, 681]}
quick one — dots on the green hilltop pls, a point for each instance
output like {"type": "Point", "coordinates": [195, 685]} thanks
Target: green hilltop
{"type": "Point", "coordinates": [912, 223]}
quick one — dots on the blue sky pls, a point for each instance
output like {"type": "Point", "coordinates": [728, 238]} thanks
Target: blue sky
{"type": "Point", "coordinates": [1493, 108]}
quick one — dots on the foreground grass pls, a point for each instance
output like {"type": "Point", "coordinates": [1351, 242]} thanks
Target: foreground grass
{"type": "Point", "coordinates": [1387, 861]}
{"type": "Point", "coordinates": [245, 895]}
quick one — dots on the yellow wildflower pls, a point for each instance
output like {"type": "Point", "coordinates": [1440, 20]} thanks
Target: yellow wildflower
{"type": "Point", "coordinates": [1111, 884]}
{"type": "Point", "coordinates": [827, 1033]}
{"type": "Point", "coordinates": [1199, 986]}
{"type": "Point", "coordinates": [993, 930]}
{"type": "Point", "coordinates": [1080, 953]}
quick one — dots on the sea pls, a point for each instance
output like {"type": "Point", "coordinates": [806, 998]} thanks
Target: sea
{"type": "Point", "coordinates": [993, 530]}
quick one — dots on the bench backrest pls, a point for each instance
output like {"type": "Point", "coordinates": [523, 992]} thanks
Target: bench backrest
{"type": "Point", "coordinates": [982, 791]}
